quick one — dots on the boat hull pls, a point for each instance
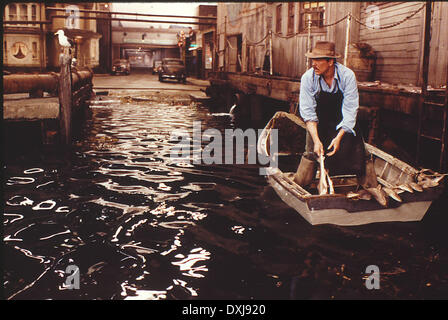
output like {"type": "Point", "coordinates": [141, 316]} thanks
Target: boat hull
{"type": "Point", "coordinates": [411, 211]}
{"type": "Point", "coordinates": [404, 212]}
{"type": "Point", "coordinates": [348, 206]}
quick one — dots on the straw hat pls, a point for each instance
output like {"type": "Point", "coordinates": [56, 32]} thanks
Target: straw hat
{"type": "Point", "coordinates": [323, 49]}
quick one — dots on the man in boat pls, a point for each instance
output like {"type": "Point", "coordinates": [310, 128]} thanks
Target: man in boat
{"type": "Point", "coordinates": [328, 104]}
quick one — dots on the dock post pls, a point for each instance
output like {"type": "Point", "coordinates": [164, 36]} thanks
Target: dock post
{"type": "Point", "coordinates": [65, 98]}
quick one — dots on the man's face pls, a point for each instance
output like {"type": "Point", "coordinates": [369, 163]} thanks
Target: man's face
{"type": "Point", "coordinates": [321, 65]}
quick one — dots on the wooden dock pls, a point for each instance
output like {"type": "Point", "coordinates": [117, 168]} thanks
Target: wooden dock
{"type": "Point", "coordinates": [48, 97]}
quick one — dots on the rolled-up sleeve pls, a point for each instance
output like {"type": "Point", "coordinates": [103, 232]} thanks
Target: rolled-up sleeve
{"type": "Point", "coordinates": [307, 102]}
{"type": "Point", "coordinates": [350, 104]}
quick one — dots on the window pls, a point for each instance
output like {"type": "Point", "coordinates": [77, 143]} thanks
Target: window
{"type": "Point", "coordinates": [278, 24]}
{"type": "Point", "coordinates": [34, 50]}
{"type": "Point", "coordinates": [12, 12]}
{"type": "Point", "coordinates": [313, 11]}
{"type": "Point", "coordinates": [290, 18]}
{"type": "Point", "coordinates": [23, 13]}
{"type": "Point", "coordinates": [34, 12]}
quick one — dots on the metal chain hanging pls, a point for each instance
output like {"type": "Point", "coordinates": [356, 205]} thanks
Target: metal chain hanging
{"type": "Point", "coordinates": [391, 25]}
{"type": "Point", "coordinates": [254, 43]}
{"type": "Point", "coordinates": [335, 23]}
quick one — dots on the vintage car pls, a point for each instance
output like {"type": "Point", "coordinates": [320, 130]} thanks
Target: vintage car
{"type": "Point", "coordinates": [157, 65]}
{"type": "Point", "coordinates": [121, 66]}
{"type": "Point", "coordinates": [173, 68]}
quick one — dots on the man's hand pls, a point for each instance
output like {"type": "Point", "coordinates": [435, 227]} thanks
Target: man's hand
{"type": "Point", "coordinates": [312, 129]}
{"type": "Point", "coordinates": [336, 143]}
{"type": "Point", "coordinates": [318, 148]}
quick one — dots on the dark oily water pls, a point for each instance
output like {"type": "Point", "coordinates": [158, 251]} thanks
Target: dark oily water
{"type": "Point", "coordinates": [139, 225]}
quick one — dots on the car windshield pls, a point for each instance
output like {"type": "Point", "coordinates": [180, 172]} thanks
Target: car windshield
{"type": "Point", "coordinates": [120, 61]}
{"type": "Point", "coordinates": [175, 62]}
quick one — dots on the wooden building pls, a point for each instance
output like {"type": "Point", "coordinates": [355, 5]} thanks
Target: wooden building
{"type": "Point", "coordinates": [250, 35]}
{"type": "Point", "coordinates": [261, 50]}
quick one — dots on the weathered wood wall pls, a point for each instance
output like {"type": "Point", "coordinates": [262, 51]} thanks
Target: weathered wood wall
{"type": "Point", "coordinates": [399, 49]}
{"type": "Point", "coordinates": [438, 59]}
{"type": "Point", "coordinates": [254, 20]}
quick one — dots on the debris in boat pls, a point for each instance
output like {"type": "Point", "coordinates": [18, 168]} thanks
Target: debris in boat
{"type": "Point", "coordinates": [324, 180]}
{"type": "Point", "coordinates": [353, 196]}
{"type": "Point", "coordinates": [330, 183]}
{"type": "Point", "coordinates": [427, 182]}
{"type": "Point", "coordinates": [364, 195]}
{"type": "Point", "coordinates": [379, 195]}
{"type": "Point", "coordinates": [391, 193]}
{"type": "Point", "coordinates": [416, 186]}
{"type": "Point", "coordinates": [322, 186]}
{"type": "Point", "coordinates": [360, 195]}
{"type": "Point", "coordinates": [432, 179]}
{"type": "Point", "coordinates": [405, 187]}
{"type": "Point", "coordinates": [439, 178]}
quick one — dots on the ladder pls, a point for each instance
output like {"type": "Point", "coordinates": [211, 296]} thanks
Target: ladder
{"type": "Point", "coordinates": [426, 104]}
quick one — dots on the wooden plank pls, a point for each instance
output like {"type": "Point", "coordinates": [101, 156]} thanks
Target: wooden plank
{"type": "Point", "coordinates": [31, 109]}
{"type": "Point", "coordinates": [392, 76]}
{"type": "Point", "coordinates": [65, 98]}
{"type": "Point", "coordinates": [395, 38]}
{"type": "Point", "coordinates": [395, 46]}
{"type": "Point", "coordinates": [393, 9]}
{"type": "Point", "coordinates": [404, 27]}
{"type": "Point", "coordinates": [439, 45]}
{"type": "Point", "coordinates": [402, 34]}
{"type": "Point", "coordinates": [391, 61]}
{"type": "Point", "coordinates": [390, 66]}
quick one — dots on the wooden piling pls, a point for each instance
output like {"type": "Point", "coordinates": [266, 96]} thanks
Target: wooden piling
{"type": "Point", "coordinates": [65, 98]}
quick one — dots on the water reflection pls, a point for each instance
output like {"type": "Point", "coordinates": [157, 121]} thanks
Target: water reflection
{"type": "Point", "coordinates": [140, 225]}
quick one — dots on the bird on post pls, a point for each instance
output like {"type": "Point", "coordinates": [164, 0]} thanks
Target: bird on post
{"type": "Point", "coordinates": [64, 42]}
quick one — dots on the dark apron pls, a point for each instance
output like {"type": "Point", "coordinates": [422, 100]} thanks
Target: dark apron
{"type": "Point", "coordinates": [349, 159]}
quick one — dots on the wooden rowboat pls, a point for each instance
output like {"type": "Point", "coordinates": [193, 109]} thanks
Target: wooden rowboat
{"type": "Point", "coordinates": [409, 192]}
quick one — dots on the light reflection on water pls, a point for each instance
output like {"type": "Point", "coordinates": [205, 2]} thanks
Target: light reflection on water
{"type": "Point", "coordinates": [142, 226]}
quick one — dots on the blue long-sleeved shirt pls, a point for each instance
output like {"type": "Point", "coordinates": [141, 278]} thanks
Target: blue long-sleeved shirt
{"type": "Point", "coordinates": [346, 81]}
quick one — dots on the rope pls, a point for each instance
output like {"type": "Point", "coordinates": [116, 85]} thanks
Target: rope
{"type": "Point", "coordinates": [393, 24]}
{"type": "Point", "coordinates": [228, 42]}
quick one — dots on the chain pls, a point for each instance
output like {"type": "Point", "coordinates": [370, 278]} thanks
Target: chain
{"type": "Point", "coordinates": [254, 43]}
{"type": "Point", "coordinates": [393, 24]}
{"type": "Point", "coordinates": [335, 23]}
